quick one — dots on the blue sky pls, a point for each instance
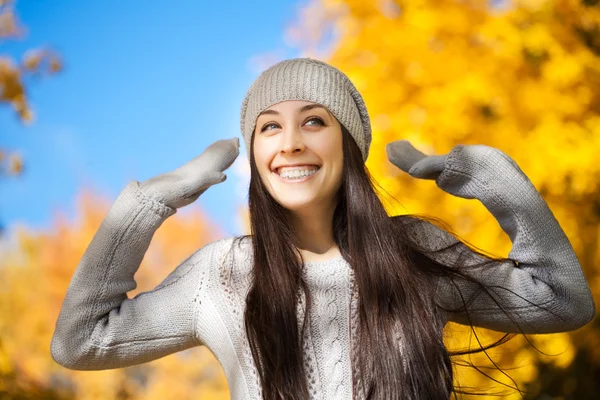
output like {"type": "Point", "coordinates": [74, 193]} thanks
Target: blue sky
{"type": "Point", "coordinates": [146, 87]}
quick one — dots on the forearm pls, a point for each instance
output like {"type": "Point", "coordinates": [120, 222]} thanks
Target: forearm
{"type": "Point", "coordinates": [106, 272]}
{"type": "Point", "coordinates": [548, 273]}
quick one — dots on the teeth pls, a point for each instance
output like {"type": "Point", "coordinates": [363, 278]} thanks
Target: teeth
{"type": "Point", "coordinates": [309, 168]}
{"type": "Point", "coordinates": [297, 173]}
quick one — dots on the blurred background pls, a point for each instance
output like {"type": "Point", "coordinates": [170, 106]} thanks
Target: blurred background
{"type": "Point", "coordinates": [96, 94]}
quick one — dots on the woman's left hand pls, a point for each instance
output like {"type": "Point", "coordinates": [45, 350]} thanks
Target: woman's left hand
{"type": "Point", "coordinates": [412, 161]}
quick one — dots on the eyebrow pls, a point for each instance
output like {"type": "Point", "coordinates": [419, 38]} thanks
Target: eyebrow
{"type": "Point", "coordinates": [301, 110]}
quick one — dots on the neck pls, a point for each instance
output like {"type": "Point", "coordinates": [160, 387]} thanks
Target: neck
{"type": "Point", "coordinates": [313, 229]}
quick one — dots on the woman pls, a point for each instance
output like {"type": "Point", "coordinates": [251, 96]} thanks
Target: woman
{"type": "Point", "coordinates": [329, 298]}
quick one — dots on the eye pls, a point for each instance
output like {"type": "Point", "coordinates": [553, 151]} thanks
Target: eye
{"type": "Point", "coordinates": [318, 120]}
{"type": "Point", "coordinates": [267, 125]}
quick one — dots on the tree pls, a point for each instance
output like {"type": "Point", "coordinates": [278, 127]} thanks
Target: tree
{"type": "Point", "coordinates": [522, 77]}
{"type": "Point", "coordinates": [35, 62]}
{"type": "Point", "coordinates": [34, 275]}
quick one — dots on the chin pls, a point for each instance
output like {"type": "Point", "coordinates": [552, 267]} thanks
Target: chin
{"type": "Point", "coordinates": [295, 205]}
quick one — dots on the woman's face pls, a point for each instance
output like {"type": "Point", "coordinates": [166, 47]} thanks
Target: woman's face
{"type": "Point", "coordinates": [298, 154]}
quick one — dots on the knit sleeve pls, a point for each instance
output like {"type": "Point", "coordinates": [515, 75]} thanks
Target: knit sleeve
{"type": "Point", "coordinates": [99, 327]}
{"type": "Point", "coordinates": [542, 288]}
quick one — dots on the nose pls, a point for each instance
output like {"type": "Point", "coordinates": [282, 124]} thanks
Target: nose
{"type": "Point", "coordinates": [292, 141]}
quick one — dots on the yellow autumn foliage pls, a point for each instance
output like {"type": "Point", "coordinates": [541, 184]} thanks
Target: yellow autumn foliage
{"type": "Point", "coordinates": [521, 76]}
{"type": "Point", "coordinates": [35, 271]}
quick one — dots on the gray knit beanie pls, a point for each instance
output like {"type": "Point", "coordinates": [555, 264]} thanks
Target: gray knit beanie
{"type": "Point", "coordinates": [310, 80]}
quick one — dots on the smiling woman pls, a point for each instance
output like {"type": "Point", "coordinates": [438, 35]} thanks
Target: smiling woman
{"type": "Point", "coordinates": [297, 152]}
{"type": "Point", "coordinates": [329, 297]}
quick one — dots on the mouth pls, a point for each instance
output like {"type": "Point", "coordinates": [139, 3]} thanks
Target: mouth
{"type": "Point", "coordinates": [296, 174]}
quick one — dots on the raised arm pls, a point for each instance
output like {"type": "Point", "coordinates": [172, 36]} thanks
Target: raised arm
{"type": "Point", "coordinates": [547, 291]}
{"type": "Point", "coordinates": [99, 327]}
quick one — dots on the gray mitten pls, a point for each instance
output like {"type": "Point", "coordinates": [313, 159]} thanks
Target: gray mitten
{"type": "Point", "coordinates": [410, 160]}
{"type": "Point", "coordinates": [185, 184]}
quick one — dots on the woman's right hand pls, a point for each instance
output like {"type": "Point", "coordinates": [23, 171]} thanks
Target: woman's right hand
{"type": "Point", "coordinates": [185, 184]}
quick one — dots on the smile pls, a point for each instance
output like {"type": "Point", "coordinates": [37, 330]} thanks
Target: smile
{"type": "Point", "coordinates": [296, 179]}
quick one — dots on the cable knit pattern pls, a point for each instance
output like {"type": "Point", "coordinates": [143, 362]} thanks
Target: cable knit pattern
{"type": "Point", "coordinates": [310, 365]}
{"type": "Point", "coordinates": [354, 334]}
{"type": "Point", "coordinates": [309, 356]}
{"type": "Point", "coordinates": [202, 301]}
{"type": "Point", "coordinates": [234, 284]}
{"type": "Point", "coordinates": [331, 291]}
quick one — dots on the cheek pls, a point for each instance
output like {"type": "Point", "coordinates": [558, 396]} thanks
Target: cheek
{"type": "Point", "coordinates": [259, 153]}
{"type": "Point", "coordinates": [339, 171]}
{"type": "Point", "coordinates": [332, 150]}
{"type": "Point", "coordinates": [263, 156]}
{"type": "Point", "coordinates": [337, 155]}
{"type": "Point", "coordinates": [331, 153]}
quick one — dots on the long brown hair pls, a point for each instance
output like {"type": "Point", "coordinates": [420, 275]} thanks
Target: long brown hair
{"type": "Point", "coordinates": [399, 332]}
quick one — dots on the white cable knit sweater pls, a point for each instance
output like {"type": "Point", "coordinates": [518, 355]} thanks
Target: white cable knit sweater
{"type": "Point", "coordinates": [202, 301]}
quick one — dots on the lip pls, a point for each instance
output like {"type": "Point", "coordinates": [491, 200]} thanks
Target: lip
{"type": "Point", "coordinates": [306, 178]}
{"type": "Point", "coordinates": [295, 165]}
